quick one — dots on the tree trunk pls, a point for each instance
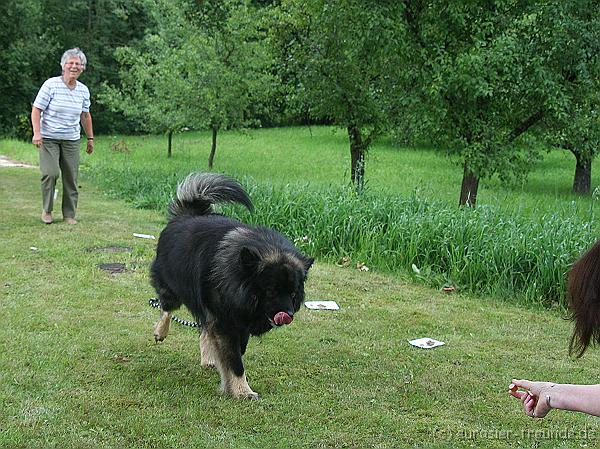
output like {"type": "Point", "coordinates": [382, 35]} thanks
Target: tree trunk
{"type": "Point", "coordinates": [357, 158]}
{"type": "Point", "coordinates": [213, 147]}
{"type": "Point", "coordinates": [468, 190]}
{"type": "Point", "coordinates": [170, 137]}
{"type": "Point", "coordinates": [583, 173]}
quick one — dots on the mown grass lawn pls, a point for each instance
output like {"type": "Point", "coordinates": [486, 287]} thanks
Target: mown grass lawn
{"type": "Point", "coordinates": [79, 367]}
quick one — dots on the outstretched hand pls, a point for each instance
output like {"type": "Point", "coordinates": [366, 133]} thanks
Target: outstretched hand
{"type": "Point", "coordinates": [535, 398]}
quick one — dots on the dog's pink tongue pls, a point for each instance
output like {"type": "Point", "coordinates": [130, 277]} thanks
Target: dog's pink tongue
{"type": "Point", "coordinates": [282, 318]}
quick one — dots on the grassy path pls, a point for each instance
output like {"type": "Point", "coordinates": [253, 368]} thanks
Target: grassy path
{"type": "Point", "coordinates": [79, 367]}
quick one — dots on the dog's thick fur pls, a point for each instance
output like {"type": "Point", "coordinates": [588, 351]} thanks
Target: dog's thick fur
{"type": "Point", "coordinates": [234, 278]}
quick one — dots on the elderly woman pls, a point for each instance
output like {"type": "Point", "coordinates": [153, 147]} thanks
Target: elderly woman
{"type": "Point", "coordinates": [538, 398]}
{"type": "Point", "coordinates": [61, 107]}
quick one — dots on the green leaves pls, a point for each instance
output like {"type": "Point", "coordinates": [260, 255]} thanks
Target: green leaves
{"type": "Point", "coordinates": [340, 62]}
{"type": "Point", "coordinates": [201, 68]}
{"type": "Point", "coordinates": [496, 70]}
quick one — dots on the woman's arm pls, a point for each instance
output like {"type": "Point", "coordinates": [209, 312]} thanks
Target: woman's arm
{"type": "Point", "coordinates": [540, 397]}
{"type": "Point", "coordinates": [86, 122]}
{"type": "Point", "coordinates": [36, 115]}
{"type": "Point", "coordinates": [578, 398]}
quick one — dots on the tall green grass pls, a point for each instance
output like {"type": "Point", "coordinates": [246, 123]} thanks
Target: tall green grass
{"type": "Point", "coordinates": [483, 250]}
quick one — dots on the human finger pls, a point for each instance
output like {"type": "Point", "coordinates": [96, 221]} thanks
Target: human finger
{"type": "Point", "coordinates": [522, 383]}
{"type": "Point", "coordinates": [530, 406]}
{"type": "Point", "coordinates": [513, 390]}
{"type": "Point", "coordinates": [517, 394]}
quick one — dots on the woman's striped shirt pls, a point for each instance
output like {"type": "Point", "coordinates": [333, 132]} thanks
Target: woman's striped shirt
{"type": "Point", "coordinates": [61, 108]}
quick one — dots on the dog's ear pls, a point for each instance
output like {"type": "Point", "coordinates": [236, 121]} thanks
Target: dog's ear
{"type": "Point", "coordinates": [308, 261]}
{"type": "Point", "coordinates": [249, 258]}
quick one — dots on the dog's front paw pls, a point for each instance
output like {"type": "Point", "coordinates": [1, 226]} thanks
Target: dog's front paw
{"type": "Point", "coordinates": [250, 395]}
{"type": "Point", "coordinates": [159, 333]}
{"type": "Point", "coordinates": [208, 353]}
{"type": "Point", "coordinates": [238, 388]}
{"type": "Point", "coordinates": [209, 365]}
{"type": "Point", "coordinates": [253, 396]}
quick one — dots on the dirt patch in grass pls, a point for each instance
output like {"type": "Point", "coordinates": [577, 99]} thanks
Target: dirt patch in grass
{"type": "Point", "coordinates": [113, 267]}
{"type": "Point", "coordinates": [110, 249]}
{"type": "Point", "coordinates": [6, 162]}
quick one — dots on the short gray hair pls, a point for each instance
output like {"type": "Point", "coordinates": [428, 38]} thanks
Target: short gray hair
{"type": "Point", "coordinates": [73, 53]}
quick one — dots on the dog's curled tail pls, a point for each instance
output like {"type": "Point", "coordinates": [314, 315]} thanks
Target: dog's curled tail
{"type": "Point", "coordinates": [199, 191]}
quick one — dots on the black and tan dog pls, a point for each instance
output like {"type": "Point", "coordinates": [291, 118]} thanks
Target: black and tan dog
{"type": "Point", "coordinates": [237, 280]}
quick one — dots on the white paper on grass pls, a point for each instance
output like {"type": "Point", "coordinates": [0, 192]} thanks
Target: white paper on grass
{"type": "Point", "coordinates": [322, 305]}
{"type": "Point", "coordinates": [426, 343]}
{"type": "Point", "coordinates": [144, 236]}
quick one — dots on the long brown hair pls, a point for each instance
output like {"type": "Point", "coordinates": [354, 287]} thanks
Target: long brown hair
{"type": "Point", "coordinates": [584, 300]}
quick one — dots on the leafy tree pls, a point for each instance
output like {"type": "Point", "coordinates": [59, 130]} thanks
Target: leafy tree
{"type": "Point", "coordinates": [579, 133]}
{"type": "Point", "coordinates": [492, 71]}
{"type": "Point", "coordinates": [157, 87]}
{"type": "Point", "coordinates": [25, 45]}
{"type": "Point", "coordinates": [236, 81]}
{"type": "Point", "coordinates": [202, 69]}
{"type": "Point", "coordinates": [338, 59]}
{"type": "Point", "coordinates": [473, 85]}
{"type": "Point", "coordinates": [570, 41]}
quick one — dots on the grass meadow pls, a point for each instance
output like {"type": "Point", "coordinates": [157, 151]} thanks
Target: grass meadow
{"type": "Point", "coordinates": [79, 367]}
{"type": "Point", "coordinates": [319, 156]}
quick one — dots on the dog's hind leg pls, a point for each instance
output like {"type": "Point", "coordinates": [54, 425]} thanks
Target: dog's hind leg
{"type": "Point", "coordinates": [168, 302]}
{"type": "Point", "coordinates": [161, 329]}
{"type": "Point", "coordinates": [207, 350]}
